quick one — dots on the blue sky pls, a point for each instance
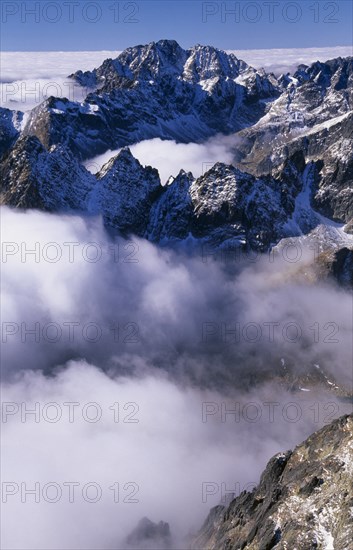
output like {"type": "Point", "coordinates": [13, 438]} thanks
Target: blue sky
{"type": "Point", "coordinates": [73, 25]}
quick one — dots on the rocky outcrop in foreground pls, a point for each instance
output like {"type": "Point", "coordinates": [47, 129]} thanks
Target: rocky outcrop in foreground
{"type": "Point", "coordinates": [304, 500]}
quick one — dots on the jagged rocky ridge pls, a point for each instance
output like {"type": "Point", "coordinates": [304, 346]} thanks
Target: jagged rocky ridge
{"type": "Point", "coordinates": [222, 207]}
{"type": "Point", "coordinates": [293, 154]}
{"type": "Point", "coordinates": [313, 115]}
{"type": "Point", "coordinates": [304, 500]}
{"type": "Point", "coordinates": [156, 90]}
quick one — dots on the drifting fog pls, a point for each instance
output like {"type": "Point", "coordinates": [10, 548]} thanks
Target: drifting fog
{"type": "Point", "coordinates": [170, 157]}
{"type": "Point", "coordinates": [166, 361]}
{"type": "Point", "coordinates": [132, 300]}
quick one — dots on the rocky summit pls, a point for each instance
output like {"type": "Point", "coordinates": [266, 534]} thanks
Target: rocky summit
{"type": "Point", "coordinates": [156, 90]}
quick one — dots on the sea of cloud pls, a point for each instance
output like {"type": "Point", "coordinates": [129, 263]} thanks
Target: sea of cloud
{"type": "Point", "coordinates": [169, 157]}
{"type": "Point", "coordinates": [28, 78]}
{"type": "Point", "coordinates": [65, 269]}
{"type": "Point", "coordinates": [135, 331]}
{"type": "Point", "coordinates": [284, 60]}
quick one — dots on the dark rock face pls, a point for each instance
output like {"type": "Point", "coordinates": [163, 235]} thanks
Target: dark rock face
{"type": "Point", "coordinates": [171, 214]}
{"type": "Point", "coordinates": [149, 535]}
{"type": "Point", "coordinates": [337, 73]}
{"type": "Point", "coordinates": [330, 145]}
{"type": "Point", "coordinates": [83, 128]}
{"type": "Point", "coordinates": [227, 207]}
{"type": "Point", "coordinates": [53, 180]}
{"type": "Point", "coordinates": [304, 500]}
{"type": "Point", "coordinates": [223, 205]}
{"type": "Point", "coordinates": [10, 122]}
{"type": "Point", "coordinates": [342, 267]}
{"type": "Point", "coordinates": [125, 192]}
{"type": "Point", "coordinates": [313, 116]}
{"type": "Point", "coordinates": [229, 203]}
{"type": "Point", "coordinates": [326, 85]}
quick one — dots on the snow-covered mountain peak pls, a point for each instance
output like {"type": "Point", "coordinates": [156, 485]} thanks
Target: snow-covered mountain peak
{"type": "Point", "coordinates": [206, 62]}
{"type": "Point", "coordinates": [165, 58]}
{"type": "Point", "coordinates": [154, 59]}
{"type": "Point", "coordinates": [123, 160]}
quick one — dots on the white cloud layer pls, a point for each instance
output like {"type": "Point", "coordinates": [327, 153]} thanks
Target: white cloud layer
{"type": "Point", "coordinates": [64, 271]}
{"type": "Point", "coordinates": [28, 78]}
{"type": "Point", "coordinates": [281, 60]}
{"type": "Point", "coordinates": [167, 295]}
{"type": "Point", "coordinates": [170, 157]}
{"type": "Point", "coordinates": [49, 65]}
{"type": "Point", "coordinates": [167, 456]}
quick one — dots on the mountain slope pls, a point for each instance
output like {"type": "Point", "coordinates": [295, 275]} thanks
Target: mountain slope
{"type": "Point", "coordinates": [10, 124]}
{"type": "Point", "coordinates": [124, 193]}
{"type": "Point", "coordinates": [313, 115]}
{"type": "Point", "coordinates": [32, 177]}
{"type": "Point", "coordinates": [304, 500]}
{"type": "Point", "coordinates": [224, 206]}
